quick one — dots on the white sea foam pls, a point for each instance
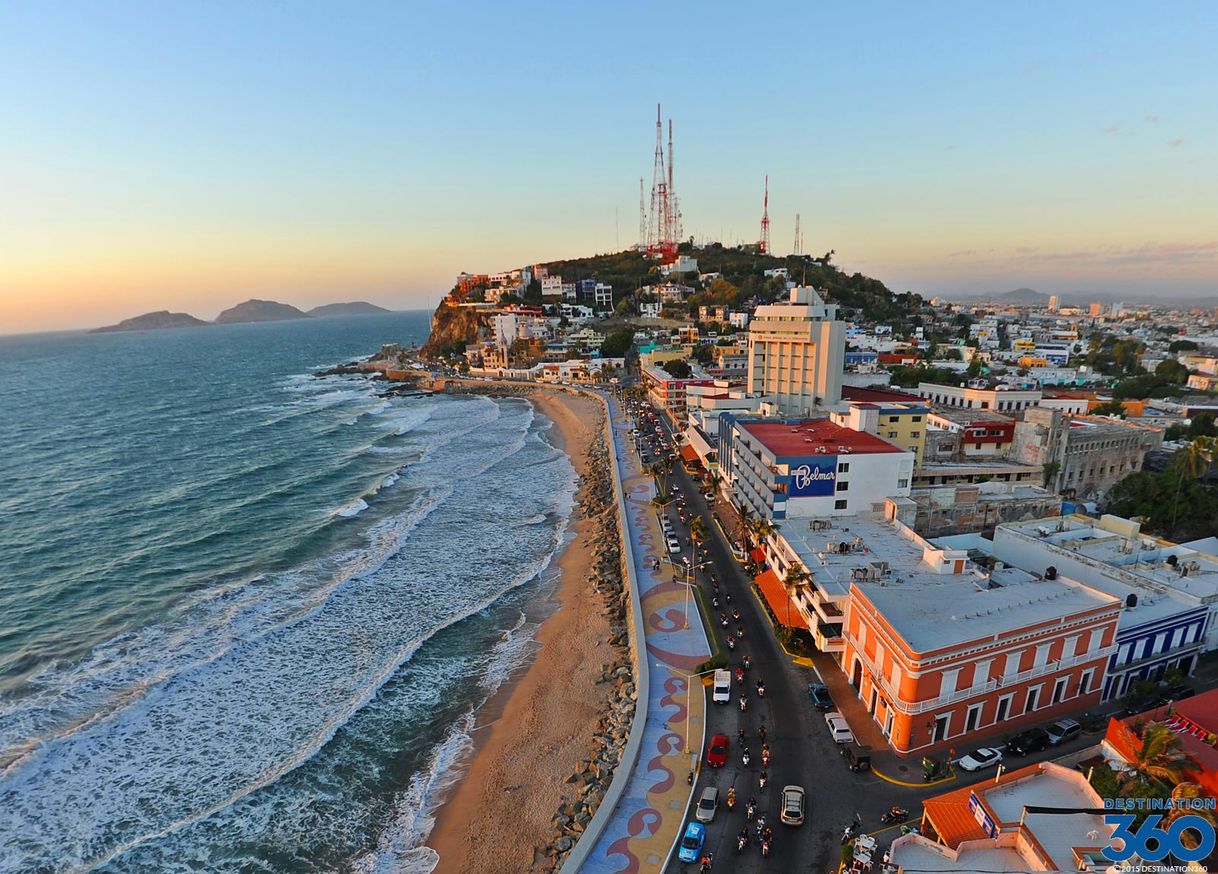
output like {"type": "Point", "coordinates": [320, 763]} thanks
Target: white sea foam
{"type": "Point", "coordinates": [180, 723]}
{"type": "Point", "coordinates": [354, 508]}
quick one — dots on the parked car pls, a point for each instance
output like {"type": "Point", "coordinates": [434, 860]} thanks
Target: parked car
{"type": "Point", "coordinates": [839, 729]}
{"type": "Point", "coordinates": [1179, 693]}
{"type": "Point", "coordinates": [1063, 730]}
{"type": "Point", "coordinates": [721, 691]}
{"type": "Point", "coordinates": [980, 759]}
{"type": "Point", "coordinates": [717, 752]}
{"type": "Point", "coordinates": [1031, 741]}
{"type": "Point", "coordinates": [792, 805]}
{"type": "Point", "coordinates": [857, 759]}
{"type": "Point", "coordinates": [707, 804]}
{"type": "Point", "coordinates": [691, 843]}
{"type": "Point", "coordinates": [674, 545]}
{"type": "Point", "coordinates": [818, 693]}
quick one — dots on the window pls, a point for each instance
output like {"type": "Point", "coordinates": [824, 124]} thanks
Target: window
{"type": "Point", "coordinates": [972, 717]}
{"type": "Point", "coordinates": [1084, 683]}
{"type": "Point", "coordinates": [892, 434]}
{"type": "Point", "coordinates": [1033, 699]}
{"type": "Point", "coordinates": [915, 418]}
{"type": "Point", "coordinates": [844, 467]}
{"type": "Point", "coordinates": [839, 505]}
{"type": "Point", "coordinates": [1004, 708]}
{"type": "Point", "coordinates": [902, 483]}
{"type": "Point", "coordinates": [894, 418]}
{"type": "Point", "coordinates": [942, 723]}
{"type": "Point", "coordinates": [1059, 689]}
{"type": "Point", "coordinates": [842, 485]}
{"type": "Point", "coordinates": [913, 435]}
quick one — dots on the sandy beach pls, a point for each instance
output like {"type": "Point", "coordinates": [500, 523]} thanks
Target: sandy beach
{"type": "Point", "coordinates": [532, 736]}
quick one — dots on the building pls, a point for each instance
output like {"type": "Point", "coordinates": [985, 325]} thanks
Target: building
{"type": "Point", "coordinates": [999, 400]}
{"type": "Point", "coordinates": [902, 423]}
{"type": "Point", "coordinates": [551, 289]}
{"type": "Point", "coordinates": [1168, 621]}
{"type": "Point", "coordinates": [1011, 823]}
{"type": "Point", "coordinates": [1054, 303]}
{"type": "Point", "coordinates": [976, 433]}
{"type": "Point", "coordinates": [809, 469]}
{"type": "Point", "coordinates": [938, 648]}
{"type": "Point", "coordinates": [667, 392]}
{"type": "Point", "coordinates": [1091, 453]}
{"type": "Point", "coordinates": [1193, 720]}
{"type": "Point", "coordinates": [940, 511]}
{"type": "Point", "coordinates": [1095, 309]}
{"type": "Point", "coordinates": [739, 321]}
{"type": "Point", "coordinates": [796, 351]}
{"type": "Point", "coordinates": [954, 473]}
{"type": "Point", "coordinates": [602, 294]}
{"type": "Point", "coordinates": [705, 404]}
{"type": "Point", "coordinates": [650, 310]}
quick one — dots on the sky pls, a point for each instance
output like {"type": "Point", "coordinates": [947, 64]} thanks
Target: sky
{"type": "Point", "coordinates": [190, 155]}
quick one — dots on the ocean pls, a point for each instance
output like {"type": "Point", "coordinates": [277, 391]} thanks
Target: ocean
{"type": "Point", "coordinates": [247, 614]}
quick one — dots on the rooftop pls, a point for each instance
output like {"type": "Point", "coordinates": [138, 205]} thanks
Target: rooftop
{"type": "Point", "coordinates": [857, 393]}
{"type": "Point", "coordinates": [800, 438]}
{"type": "Point", "coordinates": [965, 417]}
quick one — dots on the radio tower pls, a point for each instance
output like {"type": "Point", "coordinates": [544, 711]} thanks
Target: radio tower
{"type": "Point", "coordinates": [661, 243]}
{"type": "Point", "coordinates": [763, 245]}
{"type": "Point", "coordinates": [799, 243]}
{"type": "Point", "coordinates": [674, 206]}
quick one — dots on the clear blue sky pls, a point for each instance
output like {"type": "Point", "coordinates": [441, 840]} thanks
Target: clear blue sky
{"type": "Point", "coordinates": [189, 155]}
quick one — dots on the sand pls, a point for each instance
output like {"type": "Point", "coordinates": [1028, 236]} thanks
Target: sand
{"type": "Point", "coordinates": [535, 730]}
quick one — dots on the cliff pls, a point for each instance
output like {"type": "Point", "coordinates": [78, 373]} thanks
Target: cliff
{"type": "Point", "coordinates": [153, 321]}
{"type": "Point", "coordinates": [354, 308]}
{"type": "Point", "coordinates": [451, 325]}
{"type": "Point", "coordinates": [259, 311]}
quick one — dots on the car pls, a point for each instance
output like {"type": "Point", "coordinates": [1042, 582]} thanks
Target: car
{"type": "Point", "coordinates": [707, 804]}
{"type": "Point", "coordinates": [792, 805]}
{"type": "Point", "coordinates": [839, 729]}
{"type": "Point", "coordinates": [718, 751]}
{"type": "Point", "coordinates": [1179, 693]}
{"type": "Point", "coordinates": [857, 759]}
{"type": "Point", "coordinates": [691, 843]}
{"type": "Point", "coordinates": [980, 759]}
{"type": "Point", "coordinates": [1063, 730]}
{"type": "Point", "coordinates": [1031, 741]}
{"type": "Point", "coordinates": [722, 689]}
{"type": "Point", "coordinates": [818, 693]}
{"type": "Point", "coordinates": [674, 546]}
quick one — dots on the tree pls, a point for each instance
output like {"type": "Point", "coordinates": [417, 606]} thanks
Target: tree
{"type": "Point", "coordinates": [1109, 408]}
{"type": "Point", "coordinates": [974, 368]}
{"type": "Point", "coordinates": [796, 581]}
{"type": "Point", "coordinates": [1172, 371]}
{"type": "Point", "coordinates": [1182, 796]}
{"type": "Point", "coordinates": [1202, 425]}
{"type": "Point", "coordinates": [617, 344]}
{"type": "Point", "coordinates": [678, 367]}
{"type": "Point", "coordinates": [703, 354]}
{"type": "Point", "coordinates": [1159, 760]}
{"type": "Point", "coordinates": [744, 515]}
{"type": "Point", "coordinates": [1050, 472]}
{"type": "Point", "coordinates": [1190, 462]}
{"type": "Point", "coordinates": [1182, 346]}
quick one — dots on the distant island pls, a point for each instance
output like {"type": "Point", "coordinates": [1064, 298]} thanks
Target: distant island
{"type": "Point", "coordinates": [253, 310]}
{"type": "Point", "coordinates": [354, 308]}
{"type": "Point", "coordinates": [154, 321]}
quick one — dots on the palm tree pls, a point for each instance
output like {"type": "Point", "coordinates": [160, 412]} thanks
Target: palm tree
{"type": "Point", "coordinates": [1191, 462]}
{"type": "Point", "coordinates": [763, 528]}
{"type": "Point", "coordinates": [1159, 760]}
{"type": "Point", "coordinates": [797, 580]}
{"type": "Point", "coordinates": [1185, 792]}
{"type": "Point", "coordinates": [745, 514]}
{"type": "Point", "coordinates": [1050, 471]}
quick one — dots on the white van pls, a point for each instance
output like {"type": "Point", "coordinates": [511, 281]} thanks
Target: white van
{"type": "Point", "coordinates": [722, 692]}
{"type": "Point", "coordinates": [674, 545]}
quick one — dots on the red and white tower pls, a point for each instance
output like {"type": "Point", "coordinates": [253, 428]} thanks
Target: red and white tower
{"type": "Point", "coordinates": [763, 245]}
{"type": "Point", "coordinates": [663, 228]}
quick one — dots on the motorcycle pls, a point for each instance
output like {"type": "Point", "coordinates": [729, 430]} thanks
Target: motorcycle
{"type": "Point", "coordinates": [705, 866]}
{"type": "Point", "coordinates": [765, 760]}
{"type": "Point", "coordinates": [761, 828]}
{"type": "Point", "coordinates": [765, 846]}
{"type": "Point", "coordinates": [745, 662]}
{"type": "Point", "coordinates": [731, 798]}
{"type": "Point", "coordinates": [736, 613]}
{"type": "Point", "coordinates": [739, 675]}
{"type": "Point", "coordinates": [715, 603]}
{"type": "Point", "coordinates": [744, 757]}
{"type": "Point", "coordinates": [849, 833]}
{"type": "Point", "coordinates": [731, 642]}
{"type": "Point", "coordinates": [742, 841]}
{"type": "Point", "coordinates": [740, 631]}
{"type": "Point", "coordinates": [744, 703]}
{"type": "Point", "coordinates": [723, 620]}
{"type": "Point", "coordinates": [762, 778]}
{"type": "Point", "coordinates": [895, 815]}
{"type": "Point", "coordinates": [690, 777]}
{"type": "Point", "coordinates": [761, 732]}
{"type": "Point", "coordinates": [760, 689]}
{"type": "Point", "coordinates": [749, 810]}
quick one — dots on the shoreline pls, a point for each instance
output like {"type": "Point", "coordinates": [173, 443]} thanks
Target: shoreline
{"type": "Point", "coordinates": [533, 762]}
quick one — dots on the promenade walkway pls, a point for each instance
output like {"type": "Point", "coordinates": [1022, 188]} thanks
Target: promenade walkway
{"type": "Point", "coordinates": [649, 817]}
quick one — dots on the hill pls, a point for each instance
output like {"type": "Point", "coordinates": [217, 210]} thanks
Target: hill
{"type": "Point", "coordinates": [259, 311]}
{"type": "Point", "coordinates": [354, 308]}
{"type": "Point", "coordinates": [153, 322]}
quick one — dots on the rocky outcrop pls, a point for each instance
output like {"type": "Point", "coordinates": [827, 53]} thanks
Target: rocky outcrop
{"type": "Point", "coordinates": [354, 308]}
{"type": "Point", "coordinates": [259, 311]}
{"type": "Point", "coordinates": [451, 325]}
{"type": "Point", "coordinates": [152, 322]}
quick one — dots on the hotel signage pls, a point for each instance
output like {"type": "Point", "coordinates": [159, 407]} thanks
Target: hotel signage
{"type": "Point", "coordinates": [814, 477]}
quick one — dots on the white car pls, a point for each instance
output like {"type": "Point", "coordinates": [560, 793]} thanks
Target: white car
{"type": "Point", "coordinates": [722, 690]}
{"type": "Point", "coordinates": [674, 546]}
{"type": "Point", "coordinates": [839, 729]}
{"type": "Point", "coordinates": [980, 759]}
{"type": "Point", "coordinates": [792, 805]}
{"type": "Point", "coordinates": [707, 805]}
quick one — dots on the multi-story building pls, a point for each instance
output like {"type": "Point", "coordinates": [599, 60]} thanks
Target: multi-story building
{"type": "Point", "coordinates": [938, 511]}
{"type": "Point", "coordinates": [602, 294]}
{"type": "Point", "coordinates": [795, 352]}
{"type": "Point", "coordinates": [667, 392]}
{"type": "Point", "coordinates": [937, 648]}
{"type": "Point", "coordinates": [1169, 591]}
{"type": "Point", "coordinates": [999, 400]}
{"type": "Point", "coordinates": [551, 289]}
{"type": "Point", "coordinates": [1091, 453]}
{"type": "Point", "coordinates": [956, 473]}
{"type": "Point", "coordinates": [902, 423]}
{"type": "Point", "coordinates": [978, 433]}
{"type": "Point", "coordinates": [798, 468]}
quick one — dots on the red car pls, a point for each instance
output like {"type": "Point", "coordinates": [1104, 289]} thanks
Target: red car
{"type": "Point", "coordinates": [716, 754]}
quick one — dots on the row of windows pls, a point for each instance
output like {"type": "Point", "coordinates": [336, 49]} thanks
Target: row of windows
{"type": "Point", "coordinates": [1006, 706]}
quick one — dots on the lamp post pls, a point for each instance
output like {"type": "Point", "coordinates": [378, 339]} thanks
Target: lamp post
{"type": "Point", "coordinates": [688, 695]}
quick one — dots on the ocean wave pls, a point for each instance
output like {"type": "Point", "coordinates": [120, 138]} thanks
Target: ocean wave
{"type": "Point", "coordinates": [354, 508]}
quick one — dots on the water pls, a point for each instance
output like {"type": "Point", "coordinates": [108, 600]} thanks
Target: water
{"type": "Point", "coordinates": [246, 614]}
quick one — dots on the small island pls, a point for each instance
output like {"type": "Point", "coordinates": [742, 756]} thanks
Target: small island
{"type": "Point", "coordinates": [353, 308]}
{"type": "Point", "coordinates": [255, 310]}
{"type": "Point", "coordinates": [153, 322]}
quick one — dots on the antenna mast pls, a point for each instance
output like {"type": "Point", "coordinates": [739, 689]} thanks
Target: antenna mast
{"type": "Point", "coordinates": [642, 219]}
{"type": "Point", "coordinates": [763, 245]}
{"type": "Point", "coordinates": [799, 243]}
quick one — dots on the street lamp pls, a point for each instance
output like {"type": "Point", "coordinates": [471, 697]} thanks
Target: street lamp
{"type": "Point", "coordinates": [689, 687]}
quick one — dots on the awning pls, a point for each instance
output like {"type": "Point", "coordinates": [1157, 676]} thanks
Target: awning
{"type": "Point", "coordinates": [690, 455]}
{"type": "Point", "coordinates": [776, 596]}
{"type": "Point", "coordinates": [758, 555]}
{"type": "Point", "coordinates": [952, 821]}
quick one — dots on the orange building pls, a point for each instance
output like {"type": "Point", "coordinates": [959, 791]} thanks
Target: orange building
{"type": "Point", "coordinates": [938, 649]}
{"type": "Point", "coordinates": [1194, 720]}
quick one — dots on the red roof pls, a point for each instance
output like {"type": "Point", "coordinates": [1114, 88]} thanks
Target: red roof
{"type": "Point", "coordinates": [856, 393]}
{"type": "Point", "coordinates": [776, 597]}
{"type": "Point", "coordinates": [758, 555]}
{"type": "Point", "coordinates": [786, 439]}
{"type": "Point", "coordinates": [690, 454]}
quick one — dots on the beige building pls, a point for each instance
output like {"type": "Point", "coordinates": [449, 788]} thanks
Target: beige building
{"type": "Point", "coordinates": [796, 353]}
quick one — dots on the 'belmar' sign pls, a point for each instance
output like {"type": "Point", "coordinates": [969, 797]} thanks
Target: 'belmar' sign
{"type": "Point", "coordinates": [813, 477]}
